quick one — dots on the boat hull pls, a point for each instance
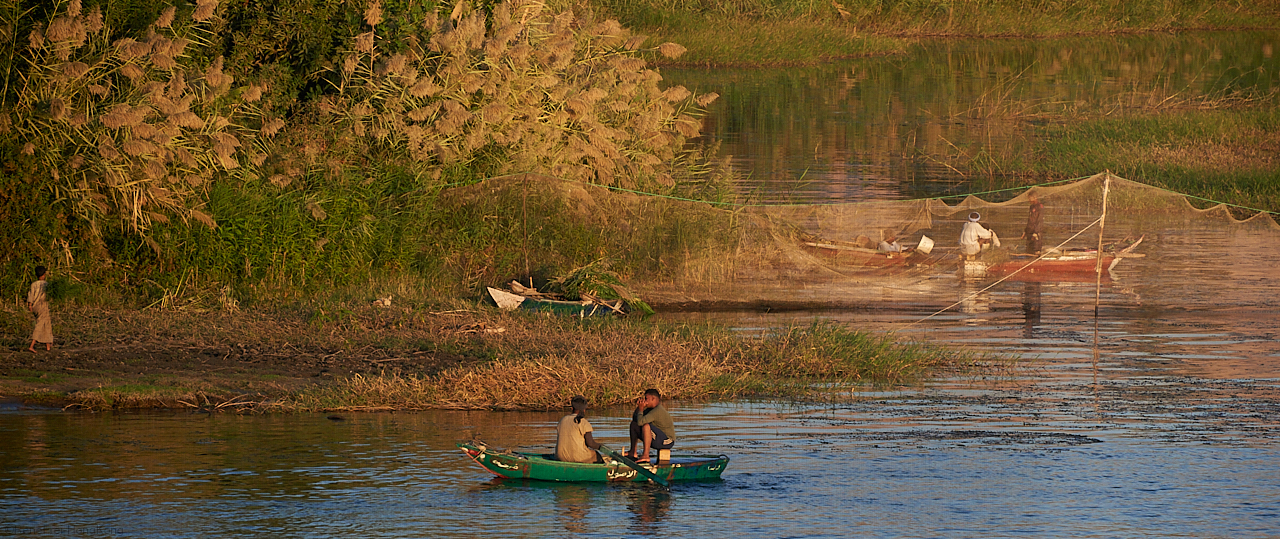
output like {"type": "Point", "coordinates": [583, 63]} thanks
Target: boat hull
{"type": "Point", "coordinates": [536, 466]}
{"type": "Point", "coordinates": [510, 302]}
{"type": "Point", "coordinates": [847, 254]}
{"type": "Point", "coordinates": [1030, 269]}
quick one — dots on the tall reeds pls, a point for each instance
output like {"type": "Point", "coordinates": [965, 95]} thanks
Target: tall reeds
{"type": "Point", "coordinates": [525, 89]}
{"type": "Point", "coordinates": [129, 130]}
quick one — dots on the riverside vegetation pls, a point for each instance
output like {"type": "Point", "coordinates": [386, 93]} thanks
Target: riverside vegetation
{"type": "Point", "coordinates": [425, 354]}
{"type": "Point", "coordinates": [1218, 147]}
{"type": "Point", "coordinates": [247, 174]}
{"type": "Point", "coordinates": [271, 167]}
{"type": "Point", "coordinates": [791, 32]}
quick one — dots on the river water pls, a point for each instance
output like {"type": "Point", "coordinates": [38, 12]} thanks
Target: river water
{"type": "Point", "coordinates": [1154, 414]}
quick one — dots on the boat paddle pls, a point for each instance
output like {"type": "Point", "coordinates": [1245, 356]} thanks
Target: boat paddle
{"type": "Point", "coordinates": [632, 464]}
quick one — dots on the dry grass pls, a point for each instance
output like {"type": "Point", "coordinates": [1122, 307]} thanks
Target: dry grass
{"type": "Point", "coordinates": [440, 356]}
{"type": "Point", "coordinates": [540, 362]}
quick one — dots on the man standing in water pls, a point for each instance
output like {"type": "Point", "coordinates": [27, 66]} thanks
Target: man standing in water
{"type": "Point", "coordinates": [38, 304]}
{"type": "Point", "coordinates": [574, 442]}
{"type": "Point", "coordinates": [651, 424]}
{"type": "Point", "coordinates": [1035, 225]}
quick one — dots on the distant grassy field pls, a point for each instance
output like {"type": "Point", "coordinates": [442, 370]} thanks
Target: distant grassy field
{"type": "Point", "coordinates": [1223, 155]}
{"type": "Point", "coordinates": [788, 32]}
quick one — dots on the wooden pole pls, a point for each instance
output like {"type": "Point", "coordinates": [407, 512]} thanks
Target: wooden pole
{"type": "Point", "coordinates": [1102, 226]}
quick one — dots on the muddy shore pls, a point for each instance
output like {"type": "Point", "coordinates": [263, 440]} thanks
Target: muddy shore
{"type": "Point", "coordinates": [163, 358]}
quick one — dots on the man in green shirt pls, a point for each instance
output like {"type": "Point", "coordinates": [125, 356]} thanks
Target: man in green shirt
{"type": "Point", "coordinates": [652, 424]}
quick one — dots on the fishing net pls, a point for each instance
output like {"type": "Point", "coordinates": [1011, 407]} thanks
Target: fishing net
{"type": "Point", "coordinates": [686, 255]}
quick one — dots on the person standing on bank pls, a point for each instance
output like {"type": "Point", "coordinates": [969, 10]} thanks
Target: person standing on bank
{"type": "Point", "coordinates": [574, 442]}
{"type": "Point", "coordinates": [651, 424]}
{"type": "Point", "coordinates": [38, 304]}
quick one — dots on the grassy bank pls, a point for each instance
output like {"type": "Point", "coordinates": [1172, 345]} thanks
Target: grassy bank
{"type": "Point", "coordinates": [418, 354]}
{"type": "Point", "coordinates": [732, 35]}
{"type": "Point", "coordinates": [789, 32]}
{"type": "Point", "coordinates": [1219, 155]}
{"type": "Point", "coordinates": [1216, 150]}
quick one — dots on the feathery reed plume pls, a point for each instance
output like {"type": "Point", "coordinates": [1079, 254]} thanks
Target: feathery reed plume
{"type": "Point", "coordinates": [116, 149]}
{"type": "Point", "coordinates": [166, 18]}
{"type": "Point", "coordinates": [204, 10]}
{"type": "Point", "coordinates": [671, 50]}
{"type": "Point", "coordinates": [373, 15]}
{"type": "Point", "coordinates": [554, 92]}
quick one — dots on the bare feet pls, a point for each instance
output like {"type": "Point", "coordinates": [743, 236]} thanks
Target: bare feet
{"type": "Point", "coordinates": [32, 349]}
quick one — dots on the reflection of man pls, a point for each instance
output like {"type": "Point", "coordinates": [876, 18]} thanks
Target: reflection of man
{"type": "Point", "coordinates": [573, 502]}
{"type": "Point", "coordinates": [1030, 309]}
{"type": "Point", "coordinates": [651, 424]}
{"type": "Point", "coordinates": [574, 442]}
{"type": "Point", "coordinates": [650, 507]}
{"type": "Point", "coordinates": [974, 235]}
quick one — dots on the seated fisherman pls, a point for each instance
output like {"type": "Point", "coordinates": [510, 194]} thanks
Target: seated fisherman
{"type": "Point", "coordinates": [574, 442]}
{"type": "Point", "coordinates": [890, 245]}
{"type": "Point", "coordinates": [651, 424]}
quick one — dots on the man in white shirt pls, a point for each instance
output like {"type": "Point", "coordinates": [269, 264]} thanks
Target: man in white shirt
{"type": "Point", "coordinates": [973, 235]}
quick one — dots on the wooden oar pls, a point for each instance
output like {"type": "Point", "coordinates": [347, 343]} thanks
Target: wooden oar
{"type": "Point", "coordinates": [632, 464]}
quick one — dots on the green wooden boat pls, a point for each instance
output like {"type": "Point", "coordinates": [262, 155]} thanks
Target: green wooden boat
{"type": "Point", "coordinates": [543, 467]}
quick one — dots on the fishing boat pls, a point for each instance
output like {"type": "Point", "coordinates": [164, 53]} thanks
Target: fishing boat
{"type": "Point", "coordinates": [1070, 264]}
{"type": "Point", "coordinates": [859, 253]}
{"type": "Point", "coordinates": [509, 301]}
{"type": "Point", "coordinates": [544, 467]}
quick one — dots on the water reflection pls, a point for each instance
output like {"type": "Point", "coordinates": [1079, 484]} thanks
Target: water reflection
{"type": "Point", "coordinates": [1030, 309]}
{"type": "Point", "coordinates": [885, 128]}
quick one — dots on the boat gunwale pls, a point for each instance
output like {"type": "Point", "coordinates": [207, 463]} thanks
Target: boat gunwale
{"type": "Point", "coordinates": [519, 460]}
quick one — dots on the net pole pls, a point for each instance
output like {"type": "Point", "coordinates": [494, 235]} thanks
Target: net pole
{"type": "Point", "coordinates": [1102, 226]}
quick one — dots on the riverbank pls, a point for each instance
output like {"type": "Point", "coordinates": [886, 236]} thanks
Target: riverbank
{"type": "Point", "coordinates": [1215, 148]}
{"type": "Point", "coordinates": [458, 355]}
{"type": "Point", "coordinates": [771, 33]}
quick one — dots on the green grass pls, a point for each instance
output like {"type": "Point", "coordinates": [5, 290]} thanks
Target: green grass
{"type": "Point", "coordinates": [1221, 155]}
{"type": "Point", "coordinates": [790, 32]}
{"type": "Point", "coordinates": [37, 377]}
{"type": "Point", "coordinates": [736, 39]}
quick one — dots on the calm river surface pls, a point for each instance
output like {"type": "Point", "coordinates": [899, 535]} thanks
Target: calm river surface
{"type": "Point", "coordinates": [1159, 416]}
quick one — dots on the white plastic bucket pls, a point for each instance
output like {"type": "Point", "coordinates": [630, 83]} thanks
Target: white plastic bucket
{"type": "Point", "coordinates": [925, 245]}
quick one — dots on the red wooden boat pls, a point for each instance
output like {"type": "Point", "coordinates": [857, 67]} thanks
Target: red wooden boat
{"type": "Point", "coordinates": [1060, 266]}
